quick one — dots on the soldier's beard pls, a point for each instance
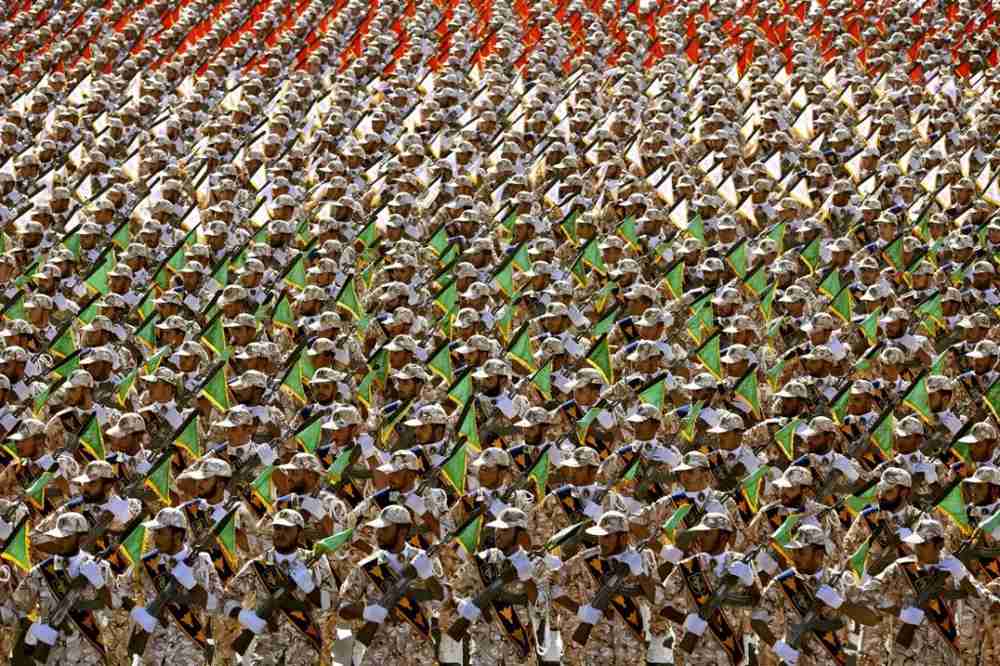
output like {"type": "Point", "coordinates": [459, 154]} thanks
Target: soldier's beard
{"type": "Point", "coordinates": [890, 505]}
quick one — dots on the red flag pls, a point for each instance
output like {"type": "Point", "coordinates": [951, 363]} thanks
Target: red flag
{"type": "Point", "coordinates": [952, 11]}
{"type": "Point", "coordinates": [914, 50]}
{"type": "Point", "coordinates": [964, 70]}
{"type": "Point", "coordinates": [800, 11]}
{"type": "Point", "coordinates": [746, 58]}
{"type": "Point", "coordinates": [693, 50]}
{"type": "Point", "coordinates": [993, 58]}
{"type": "Point", "coordinates": [917, 74]}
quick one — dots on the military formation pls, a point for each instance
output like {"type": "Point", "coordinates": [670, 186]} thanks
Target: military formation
{"type": "Point", "coordinates": [494, 332]}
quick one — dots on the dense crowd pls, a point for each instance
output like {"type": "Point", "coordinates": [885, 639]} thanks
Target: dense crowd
{"type": "Point", "coordinates": [479, 332]}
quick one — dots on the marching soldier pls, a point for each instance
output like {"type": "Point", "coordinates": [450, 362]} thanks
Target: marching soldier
{"type": "Point", "coordinates": [803, 615]}
{"type": "Point", "coordinates": [184, 582]}
{"type": "Point", "coordinates": [293, 592]}
{"type": "Point", "coordinates": [935, 609]}
{"type": "Point", "coordinates": [622, 580]}
{"type": "Point", "coordinates": [700, 593]}
{"type": "Point", "coordinates": [513, 626]}
{"type": "Point", "coordinates": [71, 585]}
{"type": "Point", "coordinates": [409, 638]}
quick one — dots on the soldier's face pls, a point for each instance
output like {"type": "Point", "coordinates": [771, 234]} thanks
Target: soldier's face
{"type": "Point", "coordinates": [387, 537]}
{"type": "Point", "coordinates": [506, 538]}
{"type": "Point", "coordinates": [976, 493]}
{"type": "Point", "coordinates": [164, 539]}
{"type": "Point", "coordinates": [286, 538]}
{"type": "Point", "coordinates": [809, 560]}
{"type": "Point", "coordinates": [611, 543]}
{"type": "Point", "coordinates": [929, 552]}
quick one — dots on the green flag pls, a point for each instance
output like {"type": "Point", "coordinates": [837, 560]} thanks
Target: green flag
{"type": "Point", "coordinates": [455, 468]}
{"type": "Point", "coordinates": [829, 286]}
{"type": "Point", "coordinates": [592, 256]}
{"type": "Point", "coordinates": [294, 382]}
{"type": "Point", "coordinates": [882, 433]}
{"type": "Point", "coordinates": [737, 259]}
{"type": "Point", "coordinates": [520, 257]}
{"type": "Point", "coordinates": [785, 438]}
{"type": "Point", "coordinates": [282, 315]}
{"type": "Point", "coordinates": [447, 298]}
{"type": "Point", "coordinates": [189, 439]}
{"type": "Point", "coordinates": [931, 308]}
{"type": "Point", "coordinates": [134, 545]}
{"type": "Point", "coordinates": [918, 400]}
{"type": "Point", "coordinates": [440, 362]}
{"type": "Point", "coordinates": [467, 425]}
{"type": "Point", "coordinates": [519, 351]}
{"type": "Point", "coordinates": [753, 486]}
{"type": "Point", "coordinates": [15, 309]}
{"type": "Point", "coordinates": [263, 488]}
{"type": "Point", "coordinates": [783, 534]}
{"type": "Point", "coordinates": [869, 327]}
{"type": "Point", "coordinates": [369, 235]}
{"type": "Point", "coordinates": [600, 358]}
{"type": "Point", "coordinates": [893, 253]}
{"type": "Point", "coordinates": [468, 537]}
{"type": "Point", "coordinates": [857, 561]}
{"type": "Point", "coordinates": [709, 355]}
{"type": "Point", "coordinates": [92, 440]}
{"type": "Point", "coordinates": [628, 233]}
{"type": "Point", "coordinates": [438, 241]}
{"type": "Point", "coordinates": [296, 275]}
{"type": "Point", "coordinates": [767, 303]}
{"type": "Point", "coordinates": [953, 506]}
{"type": "Point", "coordinates": [97, 281]}
{"type": "Point", "coordinates": [992, 399]}
{"type": "Point", "coordinates": [690, 422]}
{"type": "Point", "coordinates": [348, 300]}
{"type": "Point", "coordinates": [542, 380]}
{"type": "Point", "coordinates": [332, 544]}
{"type": "Point", "coordinates": [216, 390]}
{"type": "Point", "coordinates": [810, 255]}
{"type": "Point", "coordinates": [215, 337]}
{"type": "Point", "coordinates": [696, 228]}
{"type": "Point", "coordinates": [756, 281]}
{"type": "Point", "coordinates": [747, 390]}
{"type": "Point", "coordinates": [461, 390]}
{"type": "Point", "coordinates": [310, 435]}
{"type": "Point", "coordinates": [843, 305]}
{"type": "Point", "coordinates": [654, 392]}
{"type": "Point", "coordinates": [605, 324]}
{"type": "Point", "coordinates": [68, 365]}
{"type": "Point", "coordinates": [158, 478]}
{"type": "Point", "coordinates": [777, 234]}
{"type": "Point", "coordinates": [64, 345]}
{"type": "Point", "coordinates": [339, 465]}
{"type": "Point", "coordinates": [675, 279]}
{"type": "Point", "coordinates": [568, 225]}
{"type": "Point", "coordinates": [35, 493]}
{"type": "Point", "coordinates": [539, 473]}
{"type": "Point", "coordinates": [675, 521]}
{"type": "Point", "coordinates": [838, 406]}
{"type": "Point", "coordinates": [16, 549]}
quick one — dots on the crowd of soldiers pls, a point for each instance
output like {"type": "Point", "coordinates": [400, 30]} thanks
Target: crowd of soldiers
{"type": "Point", "coordinates": [492, 332]}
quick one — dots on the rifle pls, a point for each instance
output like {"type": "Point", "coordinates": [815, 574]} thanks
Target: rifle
{"type": "Point", "coordinates": [934, 587]}
{"type": "Point", "coordinates": [139, 638]}
{"type": "Point", "coordinates": [40, 652]}
{"type": "Point", "coordinates": [811, 622]}
{"type": "Point", "coordinates": [723, 596]}
{"type": "Point", "coordinates": [613, 586]}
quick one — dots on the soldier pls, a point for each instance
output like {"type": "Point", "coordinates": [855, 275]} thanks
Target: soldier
{"type": "Point", "coordinates": [54, 586]}
{"type": "Point", "coordinates": [299, 483]}
{"type": "Point", "coordinates": [619, 632]}
{"type": "Point", "coordinates": [188, 584]}
{"type": "Point", "coordinates": [293, 592]}
{"type": "Point", "coordinates": [492, 469]}
{"type": "Point", "coordinates": [700, 593]}
{"type": "Point", "coordinates": [935, 609]}
{"type": "Point", "coordinates": [803, 614]}
{"type": "Point", "coordinates": [409, 639]}
{"type": "Point", "coordinates": [514, 626]}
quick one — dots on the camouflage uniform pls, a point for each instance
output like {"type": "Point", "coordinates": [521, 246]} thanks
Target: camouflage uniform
{"type": "Point", "coordinates": [611, 640]}
{"type": "Point", "coordinates": [169, 641]}
{"type": "Point", "coordinates": [286, 644]}
{"type": "Point", "coordinates": [34, 594]}
{"type": "Point", "coordinates": [894, 589]}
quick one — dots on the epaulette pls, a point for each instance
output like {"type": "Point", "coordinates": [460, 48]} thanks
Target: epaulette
{"type": "Point", "coordinates": [869, 510]}
{"type": "Point", "coordinates": [679, 495]}
{"type": "Point", "coordinates": [150, 555]}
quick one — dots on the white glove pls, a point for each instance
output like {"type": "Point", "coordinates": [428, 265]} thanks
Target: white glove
{"type": "Point", "coordinates": [46, 461]}
{"type": "Point", "coordinates": [911, 615]}
{"type": "Point", "coordinates": [313, 506]}
{"type": "Point", "coordinates": [44, 633]}
{"type": "Point", "coordinates": [266, 454]}
{"type": "Point", "coordinates": [252, 621]}
{"type": "Point", "coordinates": [742, 571]}
{"type": "Point", "coordinates": [304, 579]}
{"type": "Point", "coordinates": [184, 575]}
{"type": "Point", "coordinates": [829, 596]}
{"type": "Point", "coordinates": [423, 565]}
{"type": "Point", "coordinates": [375, 614]}
{"type": "Point", "coordinates": [766, 563]}
{"type": "Point", "coordinates": [592, 510]}
{"type": "Point", "coordinates": [786, 652]}
{"type": "Point", "coordinates": [671, 554]}
{"type": "Point", "coordinates": [589, 614]}
{"type": "Point", "coordinates": [469, 610]}
{"type": "Point", "coordinates": [118, 507]}
{"type": "Point", "coordinates": [416, 502]}
{"type": "Point", "coordinates": [553, 563]}
{"type": "Point", "coordinates": [141, 616]}
{"type": "Point", "coordinates": [91, 570]}
{"type": "Point", "coordinates": [695, 624]}
{"type": "Point", "coordinates": [522, 564]}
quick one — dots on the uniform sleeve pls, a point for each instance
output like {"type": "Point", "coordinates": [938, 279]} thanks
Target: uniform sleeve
{"type": "Point", "coordinates": [354, 587]}
{"type": "Point", "coordinates": [327, 584]}
{"type": "Point", "coordinates": [208, 578]}
{"type": "Point", "coordinates": [239, 589]}
{"type": "Point", "coordinates": [27, 593]}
